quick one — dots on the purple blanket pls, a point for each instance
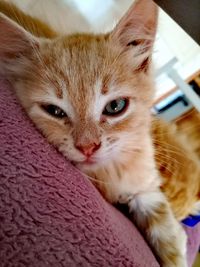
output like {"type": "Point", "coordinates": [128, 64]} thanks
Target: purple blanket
{"type": "Point", "coordinates": [50, 214]}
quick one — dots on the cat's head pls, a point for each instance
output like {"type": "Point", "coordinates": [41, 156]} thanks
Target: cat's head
{"type": "Point", "coordinates": [90, 95]}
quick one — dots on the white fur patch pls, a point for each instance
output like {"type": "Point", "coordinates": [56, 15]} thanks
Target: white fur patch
{"type": "Point", "coordinates": [146, 202]}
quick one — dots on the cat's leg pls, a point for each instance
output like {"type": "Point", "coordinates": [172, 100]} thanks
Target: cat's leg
{"type": "Point", "coordinates": [153, 216]}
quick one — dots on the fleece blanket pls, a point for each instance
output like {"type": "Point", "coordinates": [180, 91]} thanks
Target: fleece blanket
{"type": "Point", "coordinates": [50, 214]}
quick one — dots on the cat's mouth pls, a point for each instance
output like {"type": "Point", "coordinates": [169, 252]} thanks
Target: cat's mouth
{"type": "Point", "coordinates": [87, 164]}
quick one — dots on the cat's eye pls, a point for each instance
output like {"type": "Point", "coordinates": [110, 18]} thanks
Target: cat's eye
{"type": "Point", "coordinates": [54, 111]}
{"type": "Point", "coordinates": [116, 107]}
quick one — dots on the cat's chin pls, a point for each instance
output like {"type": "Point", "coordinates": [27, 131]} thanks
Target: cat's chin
{"type": "Point", "coordinates": [86, 165]}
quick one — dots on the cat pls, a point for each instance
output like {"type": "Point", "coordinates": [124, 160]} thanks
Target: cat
{"type": "Point", "coordinates": [172, 175]}
{"type": "Point", "coordinates": [90, 95]}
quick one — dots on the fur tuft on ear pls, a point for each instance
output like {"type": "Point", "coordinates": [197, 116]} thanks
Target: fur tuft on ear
{"type": "Point", "coordinates": [15, 43]}
{"type": "Point", "coordinates": [136, 31]}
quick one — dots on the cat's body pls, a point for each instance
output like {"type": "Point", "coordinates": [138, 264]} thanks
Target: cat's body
{"type": "Point", "coordinates": [90, 95]}
{"type": "Point", "coordinates": [179, 168]}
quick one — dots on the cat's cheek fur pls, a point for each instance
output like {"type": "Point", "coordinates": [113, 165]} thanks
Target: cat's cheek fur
{"type": "Point", "coordinates": [57, 133]}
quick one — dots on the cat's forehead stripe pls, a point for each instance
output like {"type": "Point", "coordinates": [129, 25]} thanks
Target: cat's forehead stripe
{"type": "Point", "coordinates": [57, 85]}
{"type": "Point", "coordinates": [104, 90]}
{"type": "Point", "coordinates": [59, 92]}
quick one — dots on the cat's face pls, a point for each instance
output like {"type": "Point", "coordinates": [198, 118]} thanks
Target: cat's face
{"type": "Point", "coordinates": [89, 95]}
{"type": "Point", "coordinates": [87, 100]}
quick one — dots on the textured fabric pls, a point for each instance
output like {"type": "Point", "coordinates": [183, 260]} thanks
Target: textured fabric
{"type": "Point", "coordinates": [193, 242]}
{"type": "Point", "coordinates": [50, 214]}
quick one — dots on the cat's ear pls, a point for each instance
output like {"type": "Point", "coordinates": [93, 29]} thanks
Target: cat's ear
{"type": "Point", "coordinates": [14, 40]}
{"type": "Point", "coordinates": [136, 31]}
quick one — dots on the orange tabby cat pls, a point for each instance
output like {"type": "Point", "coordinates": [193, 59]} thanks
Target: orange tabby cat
{"type": "Point", "coordinates": [90, 95]}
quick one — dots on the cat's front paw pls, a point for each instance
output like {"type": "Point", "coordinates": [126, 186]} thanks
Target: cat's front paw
{"type": "Point", "coordinates": [179, 262]}
{"type": "Point", "coordinates": [153, 216]}
{"type": "Point", "coordinates": [176, 256]}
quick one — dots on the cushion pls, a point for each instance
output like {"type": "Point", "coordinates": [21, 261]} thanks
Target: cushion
{"type": "Point", "coordinates": [50, 213]}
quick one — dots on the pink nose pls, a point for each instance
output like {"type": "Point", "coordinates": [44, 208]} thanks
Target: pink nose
{"type": "Point", "coordinates": [88, 150]}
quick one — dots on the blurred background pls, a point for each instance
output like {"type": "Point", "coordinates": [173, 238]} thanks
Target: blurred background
{"type": "Point", "coordinates": [176, 54]}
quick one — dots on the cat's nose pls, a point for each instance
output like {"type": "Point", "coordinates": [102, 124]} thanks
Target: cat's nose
{"type": "Point", "coordinates": [89, 149]}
